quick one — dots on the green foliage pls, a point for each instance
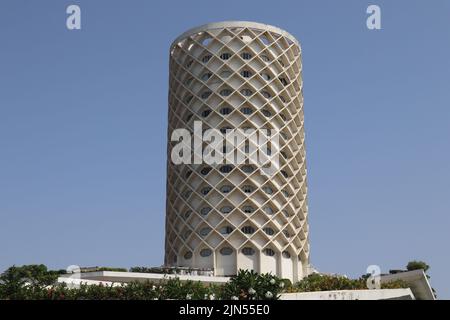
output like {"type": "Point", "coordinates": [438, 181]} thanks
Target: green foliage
{"type": "Point", "coordinates": [37, 283]}
{"type": "Point", "coordinates": [16, 280]}
{"type": "Point", "coordinates": [111, 269]}
{"type": "Point", "coordinates": [320, 282]}
{"type": "Point", "coordinates": [397, 284]}
{"type": "Point", "coordinates": [416, 265]}
{"type": "Point", "coordinates": [249, 285]}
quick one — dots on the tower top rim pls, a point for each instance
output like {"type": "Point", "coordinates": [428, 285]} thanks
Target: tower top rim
{"type": "Point", "coordinates": [234, 24]}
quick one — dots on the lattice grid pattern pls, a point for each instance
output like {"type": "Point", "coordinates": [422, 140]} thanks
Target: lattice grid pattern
{"type": "Point", "coordinates": [230, 217]}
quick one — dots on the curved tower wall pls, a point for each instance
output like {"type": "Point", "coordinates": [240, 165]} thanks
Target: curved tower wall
{"type": "Point", "coordinates": [227, 217]}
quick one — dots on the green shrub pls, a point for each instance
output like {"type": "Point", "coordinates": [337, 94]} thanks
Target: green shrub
{"type": "Point", "coordinates": [416, 265]}
{"type": "Point", "coordinates": [249, 285]}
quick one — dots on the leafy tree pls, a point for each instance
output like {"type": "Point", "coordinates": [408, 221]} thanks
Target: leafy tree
{"type": "Point", "coordinates": [15, 280]}
{"type": "Point", "coordinates": [416, 265]}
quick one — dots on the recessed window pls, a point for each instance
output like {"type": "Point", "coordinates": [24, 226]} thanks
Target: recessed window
{"type": "Point", "coordinates": [205, 170]}
{"type": "Point", "coordinates": [264, 40]}
{"type": "Point", "coordinates": [265, 58]}
{"type": "Point", "coordinates": [225, 92]}
{"type": "Point", "coordinates": [206, 58]}
{"type": "Point", "coordinates": [286, 233]}
{"type": "Point", "coordinates": [188, 173]}
{"type": "Point", "coordinates": [206, 76]}
{"type": "Point", "coordinates": [225, 56]}
{"type": "Point", "coordinates": [247, 251]}
{"type": "Point", "coordinates": [188, 255]}
{"type": "Point", "coordinates": [269, 231]}
{"type": "Point", "coordinates": [226, 209]}
{"type": "Point", "coordinates": [189, 63]}
{"type": "Point", "coordinates": [223, 130]}
{"type": "Point", "coordinates": [268, 210]}
{"type": "Point", "coordinates": [206, 113]}
{"type": "Point", "coordinates": [285, 193]}
{"type": "Point", "coordinates": [246, 92]}
{"type": "Point", "coordinates": [282, 98]}
{"type": "Point", "coordinates": [266, 94]}
{"type": "Point", "coordinates": [266, 113]}
{"type": "Point", "coordinates": [206, 94]}
{"type": "Point", "coordinates": [187, 234]}
{"type": "Point", "coordinates": [283, 135]}
{"type": "Point", "coordinates": [248, 209]}
{"type": "Point", "coordinates": [187, 194]}
{"type": "Point", "coordinates": [248, 168]}
{"type": "Point", "coordinates": [188, 117]}
{"type": "Point", "coordinates": [226, 251]}
{"type": "Point", "coordinates": [204, 231]}
{"type": "Point", "coordinates": [206, 190]}
{"type": "Point", "coordinates": [246, 110]}
{"type": "Point", "coordinates": [188, 81]}
{"type": "Point", "coordinates": [248, 229]}
{"type": "Point", "coordinates": [225, 74]}
{"type": "Point", "coordinates": [206, 41]}
{"type": "Point", "coordinates": [286, 213]}
{"type": "Point", "coordinates": [205, 252]}
{"type": "Point", "coordinates": [246, 55]}
{"type": "Point", "coordinates": [284, 154]}
{"type": "Point", "coordinates": [283, 81]}
{"type": "Point", "coordinates": [226, 189]}
{"type": "Point", "coordinates": [284, 173]}
{"type": "Point", "coordinates": [265, 76]}
{"type": "Point", "coordinates": [204, 211]}
{"type": "Point", "coordinates": [268, 190]}
{"type": "Point", "coordinates": [281, 62]}
{"type": "Point", "coordinates": [187, 214]}
{"type": "Point", "coordinates": [226, 169]}
{"type": "Point", "coordinates": [188, 99]}
{"type": "Point", "coordinates": [247, 189]}
{"type": "Point", "coordinates": [246, 73]}
{"type": "Point", "coordinates": [282, 116]}
{"type": "Point", "coordinates": [286, 254]}
{"type": "Point", "coordinates": [226, 230]}
{"type": "Point", "coordinates": [225, 111]}
{"type": "Point", "coordinates": [269, 252]}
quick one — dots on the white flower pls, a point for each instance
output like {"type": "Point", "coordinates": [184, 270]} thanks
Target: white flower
{"type": "Point", "coordinates": [269, 295]}
{"type": "Point", "coordinates": [154, 288]}
{"type": "Point", "coordinates": [281, 284]}
{"type": "Point", "coordinates": [251, 291]}
{"type": "Point", "coordinates": [234, 298]}
{"type": "Point", "coordinates": [188, 296]}
{"type": "Point", "coordinates": [206, 296]}
{"type": "Point", "coordinates": [212, 296]}
{"type": "Point", "coordinates": [272, 281]}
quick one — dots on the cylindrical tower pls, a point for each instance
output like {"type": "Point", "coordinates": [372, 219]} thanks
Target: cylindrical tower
{"type": "Point", "coordinates": [228, 217]}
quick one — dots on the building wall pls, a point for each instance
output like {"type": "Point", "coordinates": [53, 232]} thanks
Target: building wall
{"type": "Point", "coordinates": [228, 217]}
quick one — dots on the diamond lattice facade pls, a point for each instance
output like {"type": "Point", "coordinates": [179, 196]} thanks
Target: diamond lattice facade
{"type": "Point", "coordinates": [229, 217]}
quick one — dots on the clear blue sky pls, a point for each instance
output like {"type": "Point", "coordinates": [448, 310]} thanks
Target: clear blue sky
{"type": "Point", "coordinates": [83, 119]}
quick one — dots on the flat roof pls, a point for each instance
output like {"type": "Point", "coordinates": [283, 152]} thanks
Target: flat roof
{"type": "Point", "coordinates": [416, 279]}
{"type": "Point", "coordinates": [114, 276]}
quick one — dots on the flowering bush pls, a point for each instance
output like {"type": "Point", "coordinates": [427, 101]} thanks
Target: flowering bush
{"type": "Point", "coordinates": [37, 283]}
{"type": "Point", "coordinates": [249, 285]}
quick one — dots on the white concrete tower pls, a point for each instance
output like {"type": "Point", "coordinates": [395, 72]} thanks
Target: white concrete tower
{"type": "Point", "coordinates": [229, 217]}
